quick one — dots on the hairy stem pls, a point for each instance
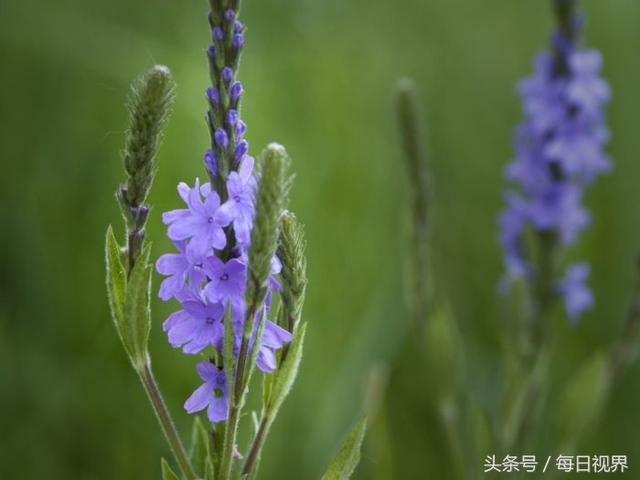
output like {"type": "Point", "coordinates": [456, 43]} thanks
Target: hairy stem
{"type": "Point", "coordinates": [165, 420]}
{"type": "Point", "coordinates": [254, 453]}
{"type": "Point", "coordinates": [626, 350]}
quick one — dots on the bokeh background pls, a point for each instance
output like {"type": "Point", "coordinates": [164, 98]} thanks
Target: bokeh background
{"type": "Point", "coordinates": [319, 78]}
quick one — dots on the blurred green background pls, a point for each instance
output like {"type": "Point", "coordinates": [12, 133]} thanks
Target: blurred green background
{"type": "Point", "coordinates": [319, 78]}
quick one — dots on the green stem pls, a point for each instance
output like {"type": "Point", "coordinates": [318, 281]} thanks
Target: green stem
{"type": "Point", "coordinates": [626, 350]}
{"type": "Point", "coordinates": [165, 420]}
{"type": "Point", "coordinates": [256, 447]}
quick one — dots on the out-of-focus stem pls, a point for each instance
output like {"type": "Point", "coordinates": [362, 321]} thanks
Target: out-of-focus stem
{"type": "Point", "coordinates": [165, 420]}
{"type": "Point", "coordinates": [412, 132]}
{"type": "Point", "coordinates": [626, 350]}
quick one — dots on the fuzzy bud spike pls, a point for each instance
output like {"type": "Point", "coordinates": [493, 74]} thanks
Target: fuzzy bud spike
{"type": "Point", "coordinates": [294, 268]}
{"type": "Point", "coordinates": [271, 199]}
{"type": "Point", "coordinates": [149, 106]}
{"type": "Point", "coordinates": [412, 133]}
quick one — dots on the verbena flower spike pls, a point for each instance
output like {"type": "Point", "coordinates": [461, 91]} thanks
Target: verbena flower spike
{"type": "Point", "coordinates": [238, 271]}
{"type": "Point", "coordinates": [559, 151]}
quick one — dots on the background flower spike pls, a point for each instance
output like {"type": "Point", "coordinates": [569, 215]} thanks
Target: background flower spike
{"type": "Point", "coordinates": [412, 133]}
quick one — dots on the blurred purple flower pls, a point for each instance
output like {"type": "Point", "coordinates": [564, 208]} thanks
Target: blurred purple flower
{"type": "Point", "coordinates": [559, 151]}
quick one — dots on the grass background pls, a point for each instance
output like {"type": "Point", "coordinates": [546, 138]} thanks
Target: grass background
{"type": "Point", "coordinates": [319, 78]}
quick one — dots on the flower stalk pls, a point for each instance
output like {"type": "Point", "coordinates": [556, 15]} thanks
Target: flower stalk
{"type": "Point", "coordinates": [412, 134]}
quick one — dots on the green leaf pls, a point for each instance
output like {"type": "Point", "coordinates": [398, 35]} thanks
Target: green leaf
{"type": "Point", "coordinates": [583, 400]}
{"type": "Point", "coordinates": [167, 473]}
{"type": "Point", "coordinates": [287, 373]}
{"type": "Point", "coordinates": [208, 470]}
{"type": "Point", "coordinates": [481, 432]}
{"type": "Point", "coordinates": [137, 308]}
{"type": "Point", "coordinates": [347, 459]}
{"type": "Point", "coordinates": [249, 368]}
{"type": "Point", "coordinates": [199, 453]}
{"type": "Point", "coordinates": [116, 283]}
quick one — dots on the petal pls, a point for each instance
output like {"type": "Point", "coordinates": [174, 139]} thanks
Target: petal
{"type": "Point", "coordinates": [207, 371]}
{"type": "Point", "coordinates": [200, 245]}
{"type": "Point", "coordinates": [183, 332]}
{"type": "Point", "coordinates": [266, 360]}
{"type": "Point", "coordinates": [171, 263]}
{"type": "Point", "coordinates": [217, 238]}
{"type": "Point", "coordinates": [184, 227]}
{"type": "Point", "coordinates": [275, 336]}
{"type": "Point", "coordinates": [199, 399]}
{"type": "Point", "coordinates": [174, 318]}
{"type": "Point", "coordinates": [217, 411]}
{"type": "Point", "coordinates": [173, 215]}
{"type": "Point", "coordinates": [183, 191]}
{"type": "Point", "coordinates": [170, 287]}
{"type": "Point", "coordinates": [276, 265]}
{"type": "Point", "coordinates": [225, 213]}
{"type": "Point", "coordinates": [213, 266]}
{"type": "Point", "coordinates": [246, 168]}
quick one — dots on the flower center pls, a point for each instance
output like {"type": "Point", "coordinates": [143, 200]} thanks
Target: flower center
{"type": "Point", "coordinates": [217, 392]}
{"type": "Point", "coordinates": [210, 219]}
{"type": "Point", "coordinates": [210, 320]}
{"type": "Point", "coordinates": [224, 277]}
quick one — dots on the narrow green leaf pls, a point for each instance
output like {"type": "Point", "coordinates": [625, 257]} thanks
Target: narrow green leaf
{"type": "Point", "coordinates": [254, 353]}
{"type": "Point", "coordinates": [287, 373]}
{"type": "Point", "coordinates": [137, 308]}
{"type": "Point", "coordinates": [208, 469]}
{"type": "Point", "coordinates": [348, 457]}
{"type": "Point", "coordinates": [116, 283]}
{"type": "Point", "coordinates": [167, 473]}
{"type": "Point", "coordinates": [199, 453]}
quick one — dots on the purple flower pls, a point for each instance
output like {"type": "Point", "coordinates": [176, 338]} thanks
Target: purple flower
{"type": "Point", "coordinates": [227, 74]}
{"type": "Point", "coordinates": [587, 89]}
{"type": "Point", "coordinates": [235, 91]}
{"type": "Point", "coordinates": [202, 222]}
{"type": "Point", "coordinates": [273, 338]}
{"type": "Point", "coordinates": [212, 395]}
{"type": "Point", "coordinates": [241, 128]}
{"type": "Point", "coordinates": [577, 296]}
{"type": "Point", "coordinates": [206, 273]}
{"type": "Point", "coordinates": [196, 326]}
{"type": "Point", "coordinates": [239, 207]}
{"type": "Point", "coordinates": [241, 149]}
{"type": "Point", "coordinates": [221, 138]}
{"type": "Point", "coordinates": [237, 41]}
{"type": "Point", "coordinates": [178, 269]}
{"type": "Point", "coordinates": [559, 151]}
{"type": "Point", "coordinates": [211, 163]}
{"type": "Point", "coordinates": [232, 117]}
{"type": "Point", "coordinates": [512, 221]}
{"type": "Point", "coordinates": [227, 280]}
{"type": "Point", "coordinates": [213, 95]}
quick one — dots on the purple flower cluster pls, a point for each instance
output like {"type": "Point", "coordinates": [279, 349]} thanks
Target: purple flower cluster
{"type": "Point", "coordinates": [212, 235]}
{"type": "Point", "coordinates": [559, 151]}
